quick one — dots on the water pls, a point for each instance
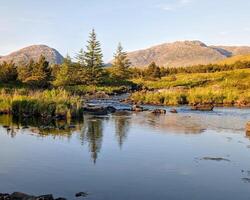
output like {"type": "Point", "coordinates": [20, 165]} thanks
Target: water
{"type": "Point", "coordinates": [131, 156]}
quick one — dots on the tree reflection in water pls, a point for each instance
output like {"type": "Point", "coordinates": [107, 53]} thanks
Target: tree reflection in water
{"type": "Point", "coordinates": [93, 133]}
{"type": "Point", "coordinates": [121, 128]}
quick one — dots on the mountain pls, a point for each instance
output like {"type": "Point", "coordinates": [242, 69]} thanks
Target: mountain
{"type": "Point", "coordinates": [34, 52]}
{"type": "Point", "coordinates": [184, 53]}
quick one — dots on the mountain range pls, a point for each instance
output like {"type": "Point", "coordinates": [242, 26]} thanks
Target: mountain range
{"type": "Point", "coordinates": [176, 54]}
{"type": "Point", "coordinates": [185, 53]}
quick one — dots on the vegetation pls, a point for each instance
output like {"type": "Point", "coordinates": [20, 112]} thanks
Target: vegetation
{"type": "Point", "coordinates": [41, 89]}
{"type": "Point", "coordinates": [222, 88]}
{"type": "Point", "coordinates": [46, 103]}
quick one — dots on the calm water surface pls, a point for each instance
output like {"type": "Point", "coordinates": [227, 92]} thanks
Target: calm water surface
{"type": "Point", "coordinates": [131, 156]}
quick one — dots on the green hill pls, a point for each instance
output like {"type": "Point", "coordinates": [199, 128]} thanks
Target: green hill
{"type": "Point", "coordinates": [234, 59]}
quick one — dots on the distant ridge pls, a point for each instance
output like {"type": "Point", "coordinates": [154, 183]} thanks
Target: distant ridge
{"type": "Point", "coordinates": [34, 52]}
{"type": "Point", "coordinates": [184, 53]}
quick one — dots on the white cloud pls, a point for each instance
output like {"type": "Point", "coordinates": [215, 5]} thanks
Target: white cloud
{"type": "Point", "coordinates": [174, 5]}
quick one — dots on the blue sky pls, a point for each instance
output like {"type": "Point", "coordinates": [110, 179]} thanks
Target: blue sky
{"type": "Point", "coordinates": [65, 24]}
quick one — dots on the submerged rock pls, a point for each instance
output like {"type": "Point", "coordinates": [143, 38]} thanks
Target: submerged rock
{"type": "Point", "coordinates": [215, 159]}
{"type": "Point", "coordinates": [94, 110]}
{"type": "Point", "coordinates": [173, 111]}
{"type": "Point", "coordinates": [81, 194]}
{"type": "Point", "coordinates": [159, 111]}
{"type": "Point", "coordinates": [111, 109]}
{"type": "Point", "coordinates": [137, 108]}
{"type": "Point", "coordinates": [203, 107]}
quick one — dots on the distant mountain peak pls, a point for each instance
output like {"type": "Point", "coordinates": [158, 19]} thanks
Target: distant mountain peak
{"type": "Point", "coordinates": [34, 52]}
{"type": "Point", "coordinates": [184, 53]}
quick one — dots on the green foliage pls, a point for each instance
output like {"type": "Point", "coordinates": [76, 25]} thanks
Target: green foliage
{"type": "Point", "coordinates": [41, 103]}
{"type": "Point", "coordinates": [92, 61]}
{"type": "Point", "coordinates": [35, 74]}
{"type": "Point", "coordinates": [120, 67]}
{"type": "Point", "coordinates": [230, 88]}
{"type": "Point", "coordinates": [8, 72]}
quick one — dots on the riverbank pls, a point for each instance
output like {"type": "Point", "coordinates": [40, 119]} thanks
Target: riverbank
{"type": "Point", "coordinates": [230, 88]}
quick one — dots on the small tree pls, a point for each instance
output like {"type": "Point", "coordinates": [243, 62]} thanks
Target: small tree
{"type": "Point", "coordinates": [93, 62]}
{"type": "Point", "coordinates": [36, 74]}
{"type": "Point", "coordinates": [8, 72]}
{"type": "Point", "coordinates": [153, 71]}
{"type": "Point", "coordinates": [121, 64]}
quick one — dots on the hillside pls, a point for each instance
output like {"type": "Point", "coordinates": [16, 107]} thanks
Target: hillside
{"type": "Point", "coordinates": [184, 53]}
{"type": "Point", "coordinates": [234, 59]}
{"type": "Point", "coordinates": [34, 52]}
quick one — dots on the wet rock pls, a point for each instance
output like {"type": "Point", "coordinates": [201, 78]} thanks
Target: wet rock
{"type": "Point", "coordinates": [81, 194]}
{"type": "Point", "coordinates": [5, 126]}
{"type": "Point", "coordinates": [137, 108]}
{"type": "Point", "coordinates": [72, 126]}
{"type": "Point", "coordinates": [111, 109]}
{"type": "Point", "coordinates": [60, 198]}
{"type": "Point", "coordinates": [248, 129]}
{"type": "Point", "coordinates": [25, 127]}
{"type": "Point", "coordinates": [94, 110]}
{"type": "Point", "coordinates": [203, 107]}
{"type": "Point", "coordinates": [173, 111]}
{"type": "Point", "coordinates": [246, 180]}
{"type": "Point", "coordinates": [159, 111]}
{"type": "Point", "coordinates": [21, 196]}
{"type": "Point", "coordinates": [215, 159]}
{"type": "Point", "coordinates": [4, 196]}
{"type": "Point", "coordinates": [45, 197]}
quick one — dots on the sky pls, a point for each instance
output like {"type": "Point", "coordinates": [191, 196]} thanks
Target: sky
{"type": "Point", "coordinates": [137, 24]}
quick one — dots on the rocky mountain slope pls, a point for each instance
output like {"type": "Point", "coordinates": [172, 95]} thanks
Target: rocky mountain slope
{"type": "Point", "coordinates": [34, 52]}
{"type": "Point", "coordinates": [184, 53]}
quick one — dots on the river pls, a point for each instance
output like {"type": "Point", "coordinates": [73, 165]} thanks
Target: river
{"type": "Point", "coordinates": [190, 155]}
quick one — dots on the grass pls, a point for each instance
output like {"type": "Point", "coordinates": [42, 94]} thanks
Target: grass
{"type": "Point", "coordinates": [234, 59]}
{"type": "Point", "coordinates": [228, 88]}
{"type": "Point", "coordinates": [45, 103]}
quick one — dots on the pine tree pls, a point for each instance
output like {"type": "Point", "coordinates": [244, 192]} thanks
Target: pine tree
{"type": "Point", "coordinates": [153, 71]}
{"type": "Point", "coordinates": [93, 62]}
{"type": "Point", "coordinates": [121, 64]}
{"type": "Point", "coordinates": [80, 57]}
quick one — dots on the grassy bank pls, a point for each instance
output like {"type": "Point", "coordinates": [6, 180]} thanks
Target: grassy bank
{"type": "Point", "coordinates": [222, 88]}
{"type": "Point", "coordinates": [46, 103]}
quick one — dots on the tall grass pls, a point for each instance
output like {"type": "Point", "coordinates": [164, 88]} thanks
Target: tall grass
{"type": "Point", "coordinates": [40, 103]}
{"type": "Point", "coordinates": [228, 88]}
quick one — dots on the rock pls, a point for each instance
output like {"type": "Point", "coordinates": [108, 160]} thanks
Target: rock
{"type": "Point", "coordinates": [137, 108]}
{"type": "Point", "coordinates": [4, 196]}
{"type": "Point", "coordinates": [159, 111]}
{"type": "Point", "coordinates": [25, 127]}
{"type": "Point", "coordinates": [111, 109]}
{"type": "Point", "coordinates": [45, 197]}
{"type": "Point", "coordinates": [60, 198]}
{"type": "Point", "coordinates": [203, 107]}
{"type": "Point", "coordinates": [21, 196]}
{"type": "Point", "coordinates": [92, 110]}
{"type": "Point", "coordinates": [81, 194]}
{"type": "Point", "coordinates": [72, 126]}
{"type": "Point", "coordinates": [173, 111]}
{"type": "Point", "coordinates": [248, 128]}
{"type": "Point", "coordinates": [215, 159]}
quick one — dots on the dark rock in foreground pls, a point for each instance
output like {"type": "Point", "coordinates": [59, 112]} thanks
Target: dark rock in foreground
{"type": "Point", "coordinates": [23, 196]}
